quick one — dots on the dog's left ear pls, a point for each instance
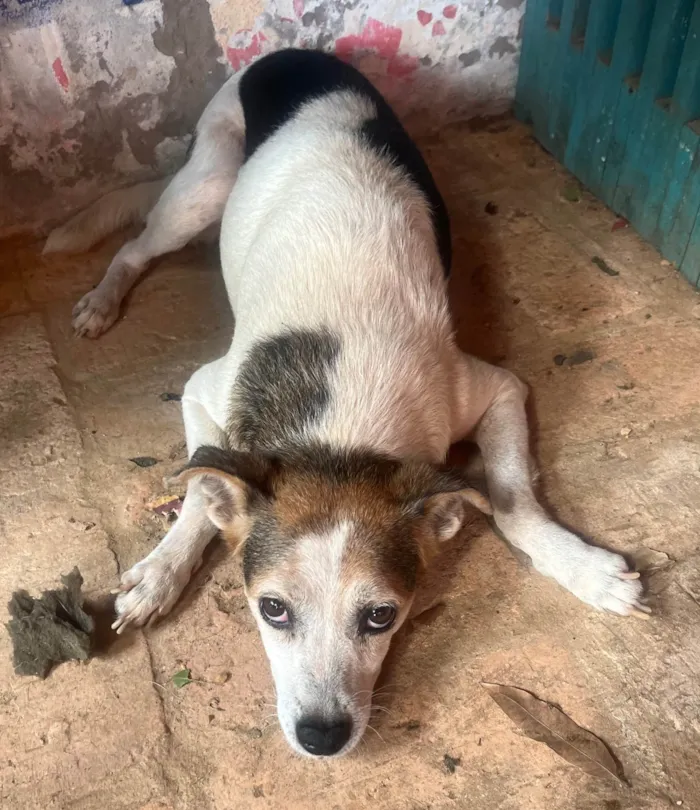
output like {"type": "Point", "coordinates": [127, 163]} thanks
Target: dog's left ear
{"type": "Point", "coordinates": [440, 498]}
{"type": "Point", "coordinates": [230, 481]}
{"type": "Point", "coordinates": [447, 511]}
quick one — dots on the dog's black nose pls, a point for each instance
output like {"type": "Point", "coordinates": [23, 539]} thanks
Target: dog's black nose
{"type": "Point", "coordinates": [323, 737]}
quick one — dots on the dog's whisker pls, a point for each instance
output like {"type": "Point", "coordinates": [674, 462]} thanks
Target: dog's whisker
{"type": "Point", "coordinates": [369, 725]}
{"type": "Point", "coordinates": [389, 688]}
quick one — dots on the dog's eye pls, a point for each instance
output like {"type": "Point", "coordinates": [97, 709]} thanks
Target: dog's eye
{"type": "Point", "coordinates": [378, 619]}
{"type": "Point", "coordinates": [274, 611]}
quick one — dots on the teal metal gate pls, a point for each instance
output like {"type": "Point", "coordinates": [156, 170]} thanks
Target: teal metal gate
{"type": "Point", "coordinates": [612, 90]}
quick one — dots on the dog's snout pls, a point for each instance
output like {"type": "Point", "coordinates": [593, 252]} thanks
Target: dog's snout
{"type": "Point", "coordinates": [323, 737]}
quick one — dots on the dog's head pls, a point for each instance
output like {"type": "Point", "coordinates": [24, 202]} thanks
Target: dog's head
{"type": "Point", "coordinates": [332, 544]}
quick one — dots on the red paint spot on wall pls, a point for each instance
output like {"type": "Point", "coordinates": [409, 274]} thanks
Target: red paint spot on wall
{"type": "Point", "coordinates": [438, 29]}
{"type": "Point", "coordinates": [424, 17]}
{"type": "Point", "coordinates": [384, 41]}
{"type": "Point", "coordinates": [60, 73]}
{"type": "Point", "coordinates": [298, 7]}
{"type": "Point", "coordinates": [450, 12]}
{"type": "Point", "coordinates": [238, 57]}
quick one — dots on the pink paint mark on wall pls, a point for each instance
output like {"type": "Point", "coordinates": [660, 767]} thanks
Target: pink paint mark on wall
{"type": "Point", "coordinates": [60, 73]}
{"type": "Point", "coordinates": [384, 41]}
{"type": "Point", "coordinates": [450, 12]}
{"type": "Point", "coordinates": [299, 7]}
{"type": "Point", "coordinates": [438, 29]}
{"type": "Point", "coordinates": [424, 17]}
{"type": "Point", "coordinates": [238, 57]}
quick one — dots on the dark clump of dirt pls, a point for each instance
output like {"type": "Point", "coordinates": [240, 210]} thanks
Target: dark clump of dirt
{"type": "Point", "coordinates": [51, 629]}
{"type": "Point", "coordinates": [144, 461]}
{"type": "Point", "coordinates": [581, 356]}
{"type": "Point", "coordinates": [578, 357]}
{"type": "Point", "coordinates": [451, 763]}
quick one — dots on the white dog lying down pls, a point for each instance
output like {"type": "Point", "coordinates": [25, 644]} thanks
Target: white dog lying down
{"type": "Point", "coordinates": [317, 444]}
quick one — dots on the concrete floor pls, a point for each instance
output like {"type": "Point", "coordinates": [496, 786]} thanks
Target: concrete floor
{"type": "Point", "coordinates": [619, 444]}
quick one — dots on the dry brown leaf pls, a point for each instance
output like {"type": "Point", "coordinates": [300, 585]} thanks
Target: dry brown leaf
{"type": "Point", "coordinates": [543, 722]}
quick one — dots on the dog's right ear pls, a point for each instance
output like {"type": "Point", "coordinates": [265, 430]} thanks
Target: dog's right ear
{"type": "Point", "coordinates": [230, 481]}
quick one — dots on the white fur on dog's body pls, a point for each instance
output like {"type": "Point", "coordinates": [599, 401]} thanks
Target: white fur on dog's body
{"type": "Point", "coordinates": [319, 232]}
{"type": "Point", "coordinates": [304, 246]}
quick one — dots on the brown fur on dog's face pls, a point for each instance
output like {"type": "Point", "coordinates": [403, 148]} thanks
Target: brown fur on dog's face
{"type": "Point", "coordinates": [332, 545]}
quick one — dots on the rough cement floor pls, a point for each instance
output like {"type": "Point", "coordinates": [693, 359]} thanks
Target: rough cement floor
{"type": "Point", "coordinates": [619, 445]}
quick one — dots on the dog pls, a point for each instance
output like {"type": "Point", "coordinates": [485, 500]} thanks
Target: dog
{"type": "Point", "coordinates": [317, 444]}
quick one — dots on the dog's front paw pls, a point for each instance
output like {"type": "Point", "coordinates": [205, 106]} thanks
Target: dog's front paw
{"type": "Point", "coordinates": [94, 314]}
{"type": "Point", "coordinates": [150, 589]}
{"type": "Point", "coordinates": [602, 579]}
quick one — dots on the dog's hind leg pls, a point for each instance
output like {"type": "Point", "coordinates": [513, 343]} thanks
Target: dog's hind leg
{"type": "Point", "coordinates": [192, 202]}
{"type": "Point", "coordinates": [491, 408]}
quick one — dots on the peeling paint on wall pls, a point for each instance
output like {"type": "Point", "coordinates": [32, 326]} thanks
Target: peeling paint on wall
{"type": "Point", "coordinates": [28, 12]}
{"type": "Point", "coordinates": [96, 95]}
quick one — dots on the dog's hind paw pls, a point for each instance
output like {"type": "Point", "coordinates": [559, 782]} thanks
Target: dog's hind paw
{"type": "Point", "coordinates": [94, 314]}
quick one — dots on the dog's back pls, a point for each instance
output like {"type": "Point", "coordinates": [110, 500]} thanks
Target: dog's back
{"type": "Point", "coordinates": [335, 245]}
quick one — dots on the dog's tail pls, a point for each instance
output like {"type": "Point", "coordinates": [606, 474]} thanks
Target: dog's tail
{"type": "Point", "coordinates": [110, 213]}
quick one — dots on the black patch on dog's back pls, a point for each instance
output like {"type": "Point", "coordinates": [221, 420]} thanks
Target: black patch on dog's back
{"type": "Point", "coordinates": [273, 89]}
{"type": "Point", "coordinates": [386, 135]}
{"type": "Point", "coordinates": [282, 388]}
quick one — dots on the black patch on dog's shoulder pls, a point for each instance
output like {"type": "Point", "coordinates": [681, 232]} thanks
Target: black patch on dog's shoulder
{"type": "Point", "coordinates": [274, 88]}
{"type": "Point", "coordinates": [282, 388]}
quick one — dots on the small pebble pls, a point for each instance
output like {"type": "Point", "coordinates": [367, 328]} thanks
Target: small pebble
{"type": "Point", "coordinates": [625, 432]}
{"type": "Point", "coordinates": [666, 263]}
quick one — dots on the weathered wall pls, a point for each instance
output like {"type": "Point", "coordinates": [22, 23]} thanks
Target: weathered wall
{"type": "Point", "coordinates": [95, 93]}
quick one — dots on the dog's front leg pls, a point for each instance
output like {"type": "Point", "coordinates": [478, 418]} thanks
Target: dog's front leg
{"type": "Point", "coordinates": [493, 411]}
{"type": "Point", "coordinates": [152, 586]}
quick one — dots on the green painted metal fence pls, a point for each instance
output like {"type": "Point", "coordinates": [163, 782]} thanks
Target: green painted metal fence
{"type": "Point", "coordinates": [612, 90]}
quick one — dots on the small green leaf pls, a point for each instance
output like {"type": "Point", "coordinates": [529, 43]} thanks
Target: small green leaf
{"type": "Point", "coordinates": [182, 678]}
